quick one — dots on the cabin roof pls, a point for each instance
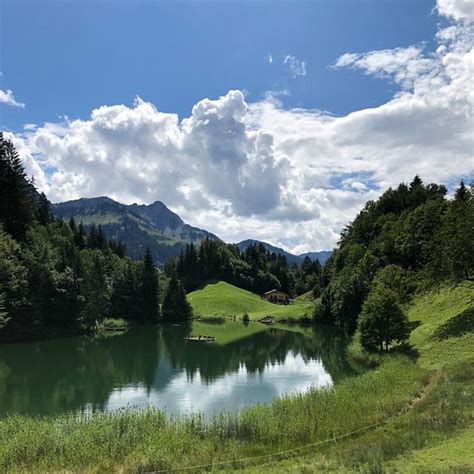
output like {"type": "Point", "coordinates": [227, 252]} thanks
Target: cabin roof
{"type": "Point", "coordinates": [274, 291]}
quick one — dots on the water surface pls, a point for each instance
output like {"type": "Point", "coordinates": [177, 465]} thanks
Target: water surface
{"type": "Point", "coordinates": [155, 365]}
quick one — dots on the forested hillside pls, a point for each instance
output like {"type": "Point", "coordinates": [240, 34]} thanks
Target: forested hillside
{"type": "Point", "coordinates": [411, 238]}
{"type": "Point", "coordinates": [140, 227]}
{"type": "Point", "coordinates": [255, 269]}
{"type": "Point", "coordinates": [55, 275]}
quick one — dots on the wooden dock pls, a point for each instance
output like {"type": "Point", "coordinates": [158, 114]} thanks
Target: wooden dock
{"type": "Point", "coordinates": [200, 338]}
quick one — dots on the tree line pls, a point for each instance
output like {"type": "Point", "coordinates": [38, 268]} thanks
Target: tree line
{"type": "Point", "coordinates": [254, 269]}
{"type": "Point", "coordinates": [53, 274]}
{"type": "Point", "coordinates": [412, 237]}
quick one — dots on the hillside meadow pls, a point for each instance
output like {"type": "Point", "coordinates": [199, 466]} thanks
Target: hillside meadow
{"type": "Point", "coordinates": [222, 299]}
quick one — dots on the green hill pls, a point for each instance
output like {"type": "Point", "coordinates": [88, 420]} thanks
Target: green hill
{"type": "Point", "coordinates": [223, 299]}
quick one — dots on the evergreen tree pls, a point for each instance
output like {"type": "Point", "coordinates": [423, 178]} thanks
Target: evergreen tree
{"type": "Point", "coordinates": [175, 305]}
{"type": "Point", "coordinates": [457, 235]}
{"type": "Point", "coordinates": [150, 307]}
{"type": "Point", "coordinates": [16, 192]}
{"type": "Point", "coordinates": [126, 297]}
{"type": "Point", "coordinates": [43, 210]}
{"type": "Point", "coordinates": [80, 236]}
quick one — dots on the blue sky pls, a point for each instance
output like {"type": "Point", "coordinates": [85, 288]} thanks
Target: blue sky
{"type": "Point", "coordinates": [66, 58]}
{"type": "Point", "coordinates": [274, 120]}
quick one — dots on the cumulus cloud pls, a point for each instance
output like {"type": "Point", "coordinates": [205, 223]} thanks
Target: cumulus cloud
{"type": "Point", "coordinates": [457, 9]}
{"type": "Point", "coordinates": [294, 178]}
{"type": "Point", "coordinates": [7, 98]}
{"type": "Point", "coordinates": [296, 66]}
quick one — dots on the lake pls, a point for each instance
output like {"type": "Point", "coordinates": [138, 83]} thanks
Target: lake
{"type": "Point", "coordinates": [155, 365]}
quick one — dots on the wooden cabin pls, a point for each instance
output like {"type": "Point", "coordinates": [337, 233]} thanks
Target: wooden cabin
{"type": "Point", "coordinates": [277, 296]}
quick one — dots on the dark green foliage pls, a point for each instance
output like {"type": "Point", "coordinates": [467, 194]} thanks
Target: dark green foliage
{"type": "Point", "coordinates": [413, 233]}
{"type": "Point", "coordinates": [454, 249]}
{"type": "Point", "coordinates": [16, 192]}
{"type": "Point", "coordinates": [54, 274]}
{"type": "Point", "coordinates": [255, 269]}
{"type": "Point", "coordinates": [382, 321]}
{"type": "Point", "coordinates": [151, 306]}
{"type": "Point", "coordinates": [126, 296]}
{"type": "Point", "coordinates": [175, 305]}
{"type": "Point", "coordinates": [43, 210]}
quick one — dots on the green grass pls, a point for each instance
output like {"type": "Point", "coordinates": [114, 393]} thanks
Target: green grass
{"type": "Point", "coordinates": [425, 405]}
{"type": "Point", "coordinates": [450, 455]}
{"type": "Point", "coordinates": [434, 311]}
{"type": "Point", "coordinates": [149, 440]}
{"type": "Point", "coordinates": [225, 300]}
{"type": "Point", "coordinates": [436, 436]}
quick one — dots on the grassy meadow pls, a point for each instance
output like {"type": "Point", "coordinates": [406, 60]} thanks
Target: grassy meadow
{"type": "Point", "coordinates": [222, 299]}
{"type": "Point", "coordinates": [422, 404]}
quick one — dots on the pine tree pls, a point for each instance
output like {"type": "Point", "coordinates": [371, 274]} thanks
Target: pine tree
{"type": "Point", "coordinates": [126, 297]}
{"type": "Point", "coordinates": [16, 192]}
{"type": "Point", "coordinates": [175, 304]}
{"type": "Point", "coordinates": [43, 210]}
{"type": "Point", "coordinates": [151, 307]}
{"type": "Point", "coordinates": [80, 236]}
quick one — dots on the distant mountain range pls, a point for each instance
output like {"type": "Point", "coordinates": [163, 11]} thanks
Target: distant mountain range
{"type": "Point", "coordinates": [138, 226]}
{"type": "Point", "coordinates": [290, 258]}
{"type": "Point", "coordinates": [155, 226]}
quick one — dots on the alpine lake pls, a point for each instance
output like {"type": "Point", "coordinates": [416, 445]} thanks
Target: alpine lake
{"type": "Point", "coordinates": [157, 366]}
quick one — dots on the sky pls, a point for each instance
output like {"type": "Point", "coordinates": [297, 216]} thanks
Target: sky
{"type": "Point", "coordinates": [252, 119]}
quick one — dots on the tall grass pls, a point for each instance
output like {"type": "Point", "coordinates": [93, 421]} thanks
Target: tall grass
{"type": "Point", "coordinates": [150, 440]}
{"type": "Point", "coordinates": [424, 439]}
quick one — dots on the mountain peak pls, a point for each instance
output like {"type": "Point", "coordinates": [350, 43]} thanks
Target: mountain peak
{"type": "Point", "coordinates": [138, 225]}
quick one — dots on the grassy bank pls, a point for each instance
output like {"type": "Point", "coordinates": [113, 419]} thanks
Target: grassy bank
{"type": "Point", "coordinates": [149, 440]}
{"type": "Point", "coordinates": [424, 404]}
{"type": "Point", "coordinates": [225, 300]}
{"type": "Point", "coordinates": [437, 434]}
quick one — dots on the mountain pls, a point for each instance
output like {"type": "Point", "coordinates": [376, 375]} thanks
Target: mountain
{"type": "Point", "coordinates": [290, 258]}
{"type": "Point", "coordinates": [321, 256]}
{"type": "Point", "coordinates": [138, 226]}
{"type": "Point", "coordinates": [154, 225]}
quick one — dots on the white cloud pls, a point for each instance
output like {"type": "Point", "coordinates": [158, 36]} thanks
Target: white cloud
{"type": "Point", "coordinates": [269, 58]}
{"type": "Point", "coordinates": [7, 97]}
{"type": "Point", "coordinates": [291, 177]}
{"type": "Point", "coordinates": [296, 66]}
{"type": "Point", "coordinates": [457, 9]}
{"type": "Point", "coordinates": [403, 65]}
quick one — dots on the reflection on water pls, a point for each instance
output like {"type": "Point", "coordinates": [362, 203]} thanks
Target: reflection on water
{"type": "Point", "coordinates": [154, 365]}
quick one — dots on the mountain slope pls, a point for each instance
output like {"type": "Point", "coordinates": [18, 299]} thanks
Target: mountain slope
{"type": "Point", "coordinates": [138, 226]}
{"type": "Point", "coordinates": [290, 258]}
{"type": "Point", "coordinates": [170, 223]}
